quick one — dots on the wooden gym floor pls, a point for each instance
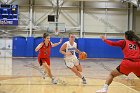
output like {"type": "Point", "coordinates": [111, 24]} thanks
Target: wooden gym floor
{"type": "Point", "coordinates": [22, 75]}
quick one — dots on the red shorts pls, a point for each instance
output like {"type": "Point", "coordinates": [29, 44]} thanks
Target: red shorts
{"type": "Point", "coordinates": [43, 60]}
{"type": "Point", "coordinates": [128, 66]}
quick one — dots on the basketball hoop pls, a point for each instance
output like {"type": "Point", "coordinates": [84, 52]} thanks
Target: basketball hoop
{"type": "Point", "coordinates": [56, 32]}
{"type": "Point", "coordinates": [56, 28]}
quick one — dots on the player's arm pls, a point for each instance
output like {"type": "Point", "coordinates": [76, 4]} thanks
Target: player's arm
{"type": "Point", "coordinates": [56, 44]}
{"type": "Point", "coordinates": [119, 43]}
{"type": "Point", "coordinates": [78, 51]}
{"type": "Point", "coordinates": [38, 47]}
{"type": "Point", "coordinates": [62, 50]}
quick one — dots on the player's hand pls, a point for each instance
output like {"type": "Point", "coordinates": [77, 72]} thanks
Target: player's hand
{"type": "Point", "coordinates": [68, 54]}
{"type": "Point", "coordinates": [61, 40]}
{"type": "Point", "coordinates": [103, 38]}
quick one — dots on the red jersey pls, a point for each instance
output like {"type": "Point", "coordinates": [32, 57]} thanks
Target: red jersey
{"type": "Point", "coordinates": [44, 51]}
{"type": "Point", "coordinates": [130, 49]}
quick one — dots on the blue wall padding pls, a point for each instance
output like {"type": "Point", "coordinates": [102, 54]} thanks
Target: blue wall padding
{"type": "Point", "coordinates": [94, 47]}
{"type": "Point", "coordinates": [30, 47]}
{"type": "Point", "coordinates": [19, 47]}
{"type": "Point", "coordinates": [55, 50]}
{"type": "Point", "coordinates": [112, 51]}
{"type": "Point", "coordinates": [81, 44]}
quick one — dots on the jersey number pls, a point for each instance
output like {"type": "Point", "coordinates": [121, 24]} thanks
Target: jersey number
{"type": "Point", "coordinates": [131, 46]}
{"type": "Point", "coordinates": [72, 52]}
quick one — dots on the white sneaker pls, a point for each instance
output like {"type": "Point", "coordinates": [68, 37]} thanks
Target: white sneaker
{"type": "Point", "coordinates": [84, 80]}
{"type": "Point", "coordinates": [54, 81]}
{"type": "Point", "coordinates": [103, 90]}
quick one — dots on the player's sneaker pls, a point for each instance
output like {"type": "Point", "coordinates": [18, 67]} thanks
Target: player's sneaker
{"type": "Point", "coordinates": [84, 80]}
{"type": "Point", "coordinates": [103, 90]}
{"type": "Point", "coordinates": [54, 81]}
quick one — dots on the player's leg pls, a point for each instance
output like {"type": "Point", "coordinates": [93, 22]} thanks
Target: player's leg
{"type": "Point", "coordinates": [109, 80]}
{"type": "Point", "coordinates": [43, 73]}
{"type": "Point", "coordinates": [124, 67]}
{"type": "Point", "coordinates": [77, 73]}
{"type": "Point", "coordinates": [70, 64]}
{"type": "Point", "coordinates": [111, 76]}
{"type": "Point", "coordinates": [42, 69]}
{"type": "Point", "coordinates": [79, 68]}
{"type": "Point", "coordinates": [47, 69]}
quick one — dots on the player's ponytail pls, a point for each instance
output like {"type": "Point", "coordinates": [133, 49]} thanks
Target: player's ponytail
{"type": "Point", "coordinates": [130, 35]}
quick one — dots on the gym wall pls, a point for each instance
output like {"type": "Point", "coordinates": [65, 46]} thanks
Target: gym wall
{"type": "Point", "coordinates": [94, 47]}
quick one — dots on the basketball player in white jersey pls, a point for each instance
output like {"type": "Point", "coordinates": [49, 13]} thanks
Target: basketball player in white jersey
{"type": "Point", "coordinates": [68, 49]}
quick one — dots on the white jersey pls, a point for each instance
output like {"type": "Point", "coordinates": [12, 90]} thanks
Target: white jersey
{"type": "Point", "coordinates": [71, 48]}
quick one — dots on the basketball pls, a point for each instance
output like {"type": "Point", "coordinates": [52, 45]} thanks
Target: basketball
{"type": "Point", "coordinates": [82, 55]}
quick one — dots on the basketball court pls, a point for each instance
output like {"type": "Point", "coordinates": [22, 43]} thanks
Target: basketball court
{"type": "Point", "coordinates": [23, 22]}
{"type": "Point", "coordinates": [22, 75]}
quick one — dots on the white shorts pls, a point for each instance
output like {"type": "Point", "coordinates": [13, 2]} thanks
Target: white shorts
{"type": "Point", "coordinates": [71, 61]}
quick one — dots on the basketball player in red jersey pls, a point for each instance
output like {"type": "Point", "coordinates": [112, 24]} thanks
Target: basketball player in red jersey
{"type": "Point", "coordinates": [44, 55]}
{"type": "Point", "coordinates": [131, 61]}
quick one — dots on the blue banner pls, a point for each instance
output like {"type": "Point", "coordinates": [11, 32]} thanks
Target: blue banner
{"type": "Point", "coordinates": [9, 22]}
{"type": "Point", "coordinates": [8, 15]}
